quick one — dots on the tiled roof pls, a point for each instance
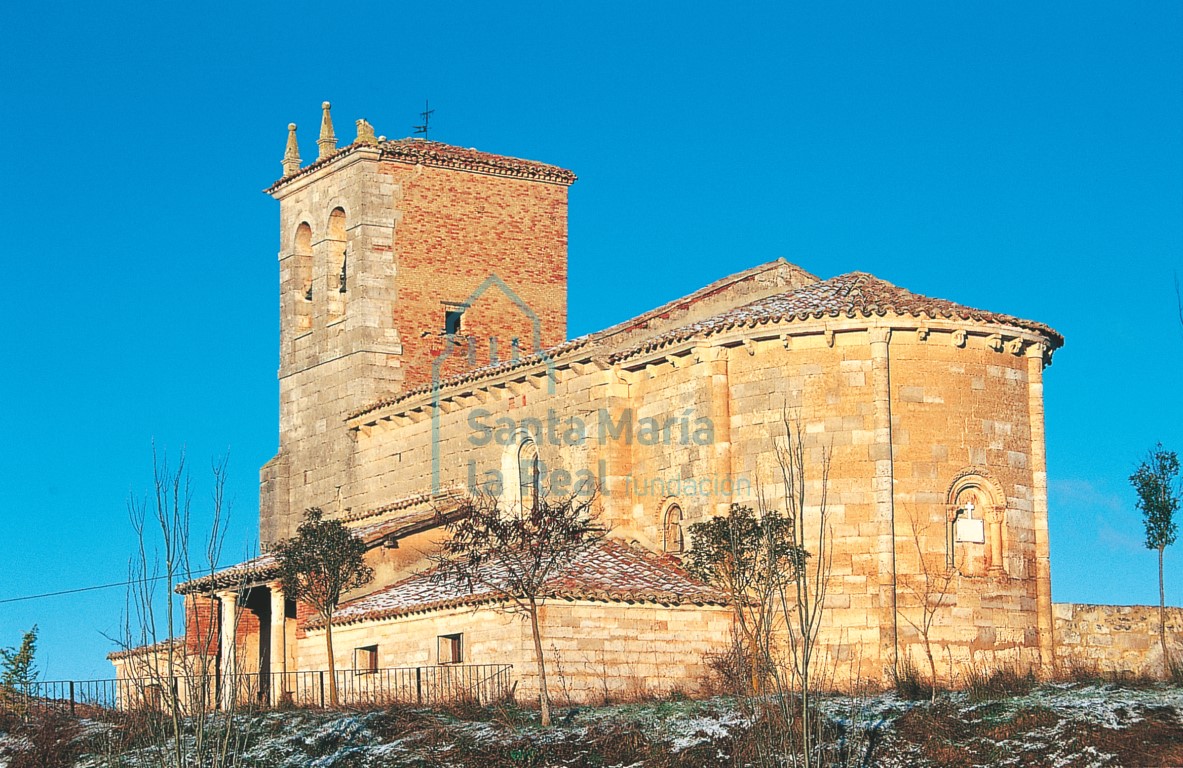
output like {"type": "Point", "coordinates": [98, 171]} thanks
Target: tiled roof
{"type": "Point", "coordinates": [424, 152]}
{"type": "Point", "coordinates": [475, 374]}
{"type": "Point", "coordinates": [855, 294]}
{"type": "Point", "coordinates": [176, 642]}
{"type": "Point", "coordinates": [418, 512]}
{"type": "Point", "coordinates": [439, 512]}
{"type": "Point", "coordinates": [611, 571]}
{"type": "Point", "coordinates": [440, 155]}
{"type": "Point", "coordinates": [256, 569]}
{"type": "Point", "coordinates": [593, 339]}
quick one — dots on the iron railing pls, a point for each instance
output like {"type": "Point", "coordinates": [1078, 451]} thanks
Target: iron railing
{"type": "Point", "coordinates": [421, 686]}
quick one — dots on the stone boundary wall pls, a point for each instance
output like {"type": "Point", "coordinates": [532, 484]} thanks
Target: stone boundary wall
{"type": "Point", "coordinates": [1114, 638]}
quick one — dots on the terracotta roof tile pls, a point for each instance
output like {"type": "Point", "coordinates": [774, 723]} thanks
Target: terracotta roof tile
{"type": "Point", "coordinates": [595, 339]}
{"type": "Point", "coordinates": [440, 155]}
{"type": "Point", "coordinates": [612, 571]}
{"type": "Point", "coordinates": [417, 512]}
{"type": "Point", "coordinates": [855, 294]}
{"type": "Point", "coordinates": [424, 152]}
{"type": "Point", "coordinates": [422, 517]}
{"type": "Point", "coordinates": [249, 571]}
{"type": "Point", "coordinates": [851, 295]}
{"type": "Point", "coordinates": [177, 643]}
{"type": "Point", "coordinates": [481, 372]}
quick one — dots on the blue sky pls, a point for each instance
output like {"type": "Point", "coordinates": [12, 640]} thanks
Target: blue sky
{"type": "Point", "coordinates": [1021, 159]}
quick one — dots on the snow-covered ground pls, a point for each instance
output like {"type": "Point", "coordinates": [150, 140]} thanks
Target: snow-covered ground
{"type": "Point", "coordinates": [1054, 725]}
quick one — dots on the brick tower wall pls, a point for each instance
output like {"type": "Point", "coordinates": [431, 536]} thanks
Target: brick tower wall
{"type": "Point", "coordinates": [411, 237]}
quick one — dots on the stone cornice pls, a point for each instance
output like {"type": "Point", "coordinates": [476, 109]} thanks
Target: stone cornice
{"type": "Point", "coordinates": [789, 334]}
{"type": "Point", "coordinates": [293, 183]}
{"type": "Point", "coordinates": [436, 155]}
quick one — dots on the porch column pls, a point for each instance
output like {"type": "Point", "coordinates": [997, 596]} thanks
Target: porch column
{"type": "Point", "coordinates": [229, 622]}
{"type": "Point", "coordinates": [279, 656]}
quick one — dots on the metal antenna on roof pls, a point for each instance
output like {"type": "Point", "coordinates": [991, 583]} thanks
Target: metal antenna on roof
{"type": "Point", "coordinates": [426, 115]}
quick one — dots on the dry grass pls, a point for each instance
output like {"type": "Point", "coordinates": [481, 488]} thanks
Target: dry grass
{"type": "Point", "coordinates": [49, 740]}
{"type": "Point", "coordinates": [1155, 740]}
{"type": "Point", "coordinates": [984, 684]}
{"type": "Point", "coordinates": [948, 733]}
{"type": "Point", "coordinates": [909, 682]}
{"type": "Point", "coordinates": [1086, 674]}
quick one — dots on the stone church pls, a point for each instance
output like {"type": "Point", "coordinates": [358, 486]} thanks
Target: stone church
{"type": "Point", "coordinates": [424, 351]}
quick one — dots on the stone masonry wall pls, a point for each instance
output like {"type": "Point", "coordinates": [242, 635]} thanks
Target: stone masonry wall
{"type": "Point", "coordinates": [1114, 638]}
{"type": "Point", "coordinates": [908, 418]}
{"type": "Point", "coordinates": [593, 649]}
{"type": "Point", "coordinates": [959, 410]}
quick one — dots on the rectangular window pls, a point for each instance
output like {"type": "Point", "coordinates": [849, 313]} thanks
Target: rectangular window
{"type": "Point", "coordinates": [452, 321]}
{"type": "Point", "coordinates": [451, 649]}
{"type": "Point", "coordinates": [365, 660]}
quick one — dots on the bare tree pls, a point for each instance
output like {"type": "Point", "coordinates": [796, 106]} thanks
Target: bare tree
{"type": "Point", "coordinates": [777, 572]}
{"type": "Point", "coordinates": [802, 601]}
{"type": "Point", "coordinates": [170, 665]}
{"type": "Point", "coordinates": [513, 554]}
{"type": "Point", "coordinates": [930, 586]}
{"type": "Point", "coordinates": [318, 565]}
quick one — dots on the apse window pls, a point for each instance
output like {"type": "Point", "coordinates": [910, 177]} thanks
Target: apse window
{"type": "Point", "coordinates": [452, 321]}
{"type": "Point", "coordinates": [451, 649]}
{"type": "Point", "coordinates": [365, 660]}
{"type": "Point", "coordinates": [529, 473]}
{"type": "Point", "coordinates": [674, 542]}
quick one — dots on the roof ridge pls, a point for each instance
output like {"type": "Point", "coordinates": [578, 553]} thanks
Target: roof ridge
{"type": "Point", "coordinates": [850, 294]}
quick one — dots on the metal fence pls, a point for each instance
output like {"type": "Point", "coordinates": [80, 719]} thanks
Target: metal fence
{"type": "Point", "coordinates": [422, 686]}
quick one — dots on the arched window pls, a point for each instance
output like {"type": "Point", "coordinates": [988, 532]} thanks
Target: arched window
{"type": "Point", "coordinates": [338, 267]}
{"type": "Point", "coordinates": [337, 224]}
{"type": "Point", "coordinates": [302, 276]}
{"type": "Point", "coordinates": [529, 471]}
{"type": "Point", "coordinates": [674, 540]}
{"type": "Point", "coordinates": [976, 530]}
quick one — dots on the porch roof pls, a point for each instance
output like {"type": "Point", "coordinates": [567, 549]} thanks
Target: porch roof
{"type": "Point", "coordinates": [612, 571]}
{"type": "Point", "coordinates": [177, 643]}
{"type": "Point", "coordinates": [406, 516]}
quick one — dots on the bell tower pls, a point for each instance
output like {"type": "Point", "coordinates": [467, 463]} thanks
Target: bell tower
{"type": "Point", "coordinates": [384, 247]}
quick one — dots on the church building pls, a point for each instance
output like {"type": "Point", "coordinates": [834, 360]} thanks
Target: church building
{"type": "Point", "coordinates": [424, 353]}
